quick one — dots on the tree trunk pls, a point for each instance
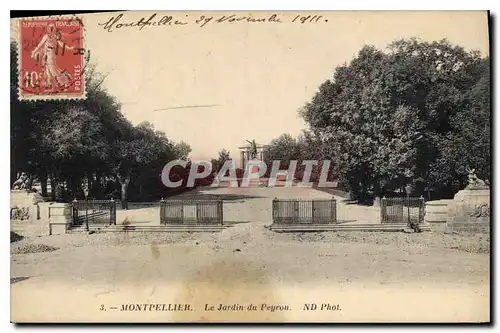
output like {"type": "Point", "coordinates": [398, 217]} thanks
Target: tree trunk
{"type": "Point", "coordinates": [43, 184]}
{"type": "Point", "coordinates": [377, 189]}
{"type": "Point", "coordinates": [90, 181]}
{"type": "Point", "coordinates": [124, 181]}
{"type": "Point", "coordinates": [52, 188]}
{"type": "Point", "coordinates": [124, 187]}
{"type": "Point", "coordinates": [76, 186]}
{"type": "Point", "coordinates": [97, 185]}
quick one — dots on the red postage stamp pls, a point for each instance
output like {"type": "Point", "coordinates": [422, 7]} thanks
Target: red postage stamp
{"type": "Point", "coordinates": [51, 59]}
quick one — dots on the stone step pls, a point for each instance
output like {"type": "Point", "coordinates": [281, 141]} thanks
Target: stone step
{"type": "Point", "coordinates": [162, 228]}
{"type": "Point", "coordinates": [343, 227]}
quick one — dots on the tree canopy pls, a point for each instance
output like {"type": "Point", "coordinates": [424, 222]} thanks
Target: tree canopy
{"type": "Point", "coordinates": [219, 162]}
{"type": "Point", "coordinates": [416, 114]}
{"type": "Point", "coordinates": [88, 142]}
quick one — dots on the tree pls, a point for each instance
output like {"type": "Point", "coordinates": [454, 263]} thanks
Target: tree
{"type": "Point", "coordinates": [284, 148]}
{"type": "Point", "coordinates": [219, 162]}
{"type": "Point", "coordinates": [72, 141]}
{"type": "Point", "coordinates": [383, 117]}
{"type": "Point", "coordinates": [182, 150]}
{"type": "Point", "coordinates": [70, 145]}
{"type": "Point", "coordinates": [135, 153]}
{"type": "Point", "coordinates": [468, 143]}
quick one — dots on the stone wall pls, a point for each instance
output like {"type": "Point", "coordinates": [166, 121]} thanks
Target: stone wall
{"type": "Point", "coordinates": [463, 225]}
{"type": "Point", "coordinates": [469, 212]}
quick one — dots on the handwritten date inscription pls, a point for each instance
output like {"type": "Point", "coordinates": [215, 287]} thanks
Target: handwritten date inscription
{"type": "Point", "coordinates": [156, 20]}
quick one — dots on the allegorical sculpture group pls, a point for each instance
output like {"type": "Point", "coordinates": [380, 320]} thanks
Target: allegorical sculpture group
{"type": "Point", "coordinates": [23, 182]}
{"type": "Point", "coordinates": [474, 182]}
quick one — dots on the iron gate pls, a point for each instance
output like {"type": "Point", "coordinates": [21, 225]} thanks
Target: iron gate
{"type": "Point", "coordinates": [93, 212]}
{"type": "Point", "coordinates": [287, 211]}
{"type": "Point", "coordinates": [179, 212]}
{"type": "Point", "coordinates": [396, 210]}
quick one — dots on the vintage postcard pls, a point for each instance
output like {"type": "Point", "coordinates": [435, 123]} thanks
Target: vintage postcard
{"type": "Point", "coordinates": [250, 167]}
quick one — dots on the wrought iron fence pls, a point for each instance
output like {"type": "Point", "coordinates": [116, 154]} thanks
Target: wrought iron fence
{"type": "Point", "coordinates": [396, 210]}
{"type": "Point", "coordinates": [140, 205]}
{"type": "Point", "coordinates": [287, 211]}
{"type": "Point", "coordinates": [204, 212]}
{"type": "Point", "coordinates": [93, 212]}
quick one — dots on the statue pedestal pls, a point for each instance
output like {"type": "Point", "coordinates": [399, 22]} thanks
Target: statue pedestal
{"type": "Point", "coordinates": [469, 211]}
{"type": "Point", "coordinates": [28, 215]}
{"type": "Point", "coordinates": [24, 205]}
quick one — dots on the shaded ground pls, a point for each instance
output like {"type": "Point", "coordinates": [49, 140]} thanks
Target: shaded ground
{"type": "Point", "coordinates": [474, 243]}
{"type": "Point", "coordinates": [31, 248]}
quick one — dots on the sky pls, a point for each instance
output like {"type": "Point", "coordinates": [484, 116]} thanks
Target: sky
{"type": "Point", "coordinates": [254, 77]}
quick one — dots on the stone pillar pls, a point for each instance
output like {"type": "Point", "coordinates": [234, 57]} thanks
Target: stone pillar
{"type": "Point", "coordinates": [242, 159]}
{"type": "Point", "coordinates": [59, 218]}
{"type": "Point", "coordinates": [43, 224]}
{"type": "Point", "coordinates": [246, 159]}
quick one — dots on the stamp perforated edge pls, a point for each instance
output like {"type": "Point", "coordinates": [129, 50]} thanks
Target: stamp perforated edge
{"type": "Point", "coordinates": [16, 31]}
